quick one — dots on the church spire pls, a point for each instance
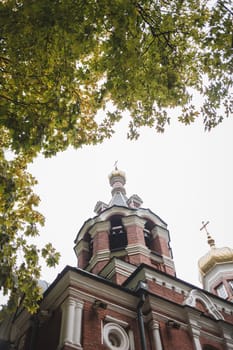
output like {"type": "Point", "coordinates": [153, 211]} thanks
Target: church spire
{"type": "Point", "coordinates": [117, 180]}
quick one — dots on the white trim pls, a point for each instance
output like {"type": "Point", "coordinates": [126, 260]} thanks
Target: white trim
{"type": "Point", "coordinates": [154, 326]}
{"type": "Point", "coordinates": [109, 318]}
{"type": "Point", "coordinates": [81, 246]}
{"type": "Point", "coordinates": [71, 324]}
{"type": "Point", "coordinates": [217, 274]}
{"type": "Point", "coordinates": [102, 226]}
{"type": "Point", "coordinates": [113, 332]}
{"type": "Point", "coordinates": [160, 232]}
{"type": "Point", "coordinates": [133, 220]}
{"type": "Point", "coordinates": [125, 212]}
{"type": "Point", "coordinates": [195, 295]}
{"type": "Point", "coordinates": [133, 249]}
{"type": "Point", "coordinates": [100, 255]}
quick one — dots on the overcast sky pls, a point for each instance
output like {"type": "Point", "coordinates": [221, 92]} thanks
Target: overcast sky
{"type": "Point", "coordinates": [184, 175]}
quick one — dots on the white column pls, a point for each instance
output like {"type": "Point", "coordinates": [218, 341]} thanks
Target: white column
{"type": "Point", "coordinates": [131, 339]}
{"type": "Point", "coordinates": [67, 321]}
{"type": "Point", "coordinates": [71, 325]}
{"type": "Point", "coordinates": [197, 343]}
{"type": "Point", "coordinates": [77, 326]}
{"type": "Point", "coordinates": [157, 344]}
{"type": "Point", "coordinates": [195, 330]}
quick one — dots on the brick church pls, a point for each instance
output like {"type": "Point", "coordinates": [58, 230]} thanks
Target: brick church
{"type": "Point", "coordinates": [124, 293]}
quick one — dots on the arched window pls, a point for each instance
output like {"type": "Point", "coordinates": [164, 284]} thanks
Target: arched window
{"type": "Point", "coordinates": [89, 240]}
{"type": "Point", "coordinates": [147, 233]}
{"type": "Point", "coordinates": [118, 236]}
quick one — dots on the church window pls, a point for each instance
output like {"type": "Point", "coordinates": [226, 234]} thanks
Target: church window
{"type": "Point", "coordinates": [221, 291]}
{"type": "Point", "coordinates": [89, 240]}
{"type": "Point", "coordinates": [147, 233]}
{"type": "Point", "coordinates": [118, 236]}
{"type": "Point", "coordinates": [115, 337]}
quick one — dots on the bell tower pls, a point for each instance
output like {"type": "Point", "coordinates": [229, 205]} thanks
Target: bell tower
{"type": "Point", "coordinates": [122, 236]}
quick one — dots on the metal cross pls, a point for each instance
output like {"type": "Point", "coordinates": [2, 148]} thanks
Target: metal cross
{"type": "Point", "coordinates": [204, 226]}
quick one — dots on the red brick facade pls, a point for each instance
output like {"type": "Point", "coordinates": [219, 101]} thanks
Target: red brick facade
{"type": "Point", "coordinates": [124, 296]}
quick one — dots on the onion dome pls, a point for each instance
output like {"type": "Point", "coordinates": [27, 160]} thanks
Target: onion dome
{"type": "Point", "coordinates": [117, 180]}
{"type": "Point", "coordinates": [214, 256]}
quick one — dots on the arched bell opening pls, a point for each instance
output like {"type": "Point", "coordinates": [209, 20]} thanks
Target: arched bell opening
{"type": "Point", "coordinates": [117, 236]}
{"type": "Point", "coordinates": [149, 225]}
{"type": "Point", "coordinates": [89, 240]}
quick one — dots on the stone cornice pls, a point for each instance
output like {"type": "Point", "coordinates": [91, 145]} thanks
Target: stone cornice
{"type": "Point", "coordinates": [133, 220]}
{"type": "Point", "coordinates": [161, 232]}
{"type": "Point", "coordinates": [81, 246]}
{"type": "Point", "coordinates": [125, 212]}
{"type": "Point", "coordinates": [117, 265]}
{"type": "Point", "coordinates": [101, 255]}
{"type": "Point", "coordinates": [168, 262]}
{"type": "Point", "coordinates": [102, 226]}
{"type": "Point", "coordinates": [133, 249]}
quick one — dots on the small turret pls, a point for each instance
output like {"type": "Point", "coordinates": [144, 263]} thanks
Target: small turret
{"type": "Point", "coordinates": [216, 269]}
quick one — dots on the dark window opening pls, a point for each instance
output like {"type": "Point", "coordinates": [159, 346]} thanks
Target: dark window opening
{"type": "Point", "coordinates": [149, 225]}
{"type": "Point", "coordinates": [89, 240]}
{"type": "Point", "coordinates": [118, 236]}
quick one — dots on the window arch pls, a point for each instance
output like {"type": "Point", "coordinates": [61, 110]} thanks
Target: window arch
{"type": "Point", "coordinates": [117, 237]}
{"type": "Point", "coordinates": [195, 295]}
{"type": "Point", "coordinates": [149, 225]}
{"type": "Point", "coordinates": [87, 238]}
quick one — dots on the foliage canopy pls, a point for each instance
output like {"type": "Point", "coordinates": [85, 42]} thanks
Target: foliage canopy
{"type": "Point", "coordinates": [62, 61]}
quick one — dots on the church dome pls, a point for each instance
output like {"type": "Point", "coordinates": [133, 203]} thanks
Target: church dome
{"type": "Point", "coordinates": [117, 175]}
{"type": "Point", "coordinates": [213, 257]}
{"type": "Point", "coordinates": [117, 180]}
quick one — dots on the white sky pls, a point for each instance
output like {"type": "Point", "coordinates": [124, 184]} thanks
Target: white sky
{"type": "Point", "coordinates": [184, 175]}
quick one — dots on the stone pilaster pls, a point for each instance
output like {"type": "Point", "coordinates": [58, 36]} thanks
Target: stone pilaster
{"type": "Point", "coordinates": [71, 326]}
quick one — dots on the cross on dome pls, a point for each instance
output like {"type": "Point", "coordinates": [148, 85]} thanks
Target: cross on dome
{"type": "Point", "coordinates": [210, 240]}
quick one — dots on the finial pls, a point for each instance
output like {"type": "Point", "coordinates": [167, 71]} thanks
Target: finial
{"type": "Point", "coordinates": [210, 240]}
{"type": "Point", "coordinates": [115, 165]}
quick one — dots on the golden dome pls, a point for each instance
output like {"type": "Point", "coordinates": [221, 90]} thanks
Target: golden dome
{"type": "Point", "coordinates": [213, 257]}
{"type": "Point", "coordinates": [117, 176]}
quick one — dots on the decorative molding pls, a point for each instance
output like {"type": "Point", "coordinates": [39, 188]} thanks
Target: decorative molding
{"type": "Point", "coordinates": [218, 272]}
{"type": "Point", "coordinates": [81, 246]}
{"type": "Point", "coordinates": [100, 255]}
{"type": "Point", "coordinates": [117, 266]}
{"type": "Point", "coordinates": [109, 318]}
{"type": "Point", "coordinates": [71, 325]}
{"type": "Point", "coordinates": [115, 336]}
{"type": "Point", "coordinates": [133, 249]}
{"type": "Point", "coordinates": [102, 226]}
{"type": "Point", "coordinates": [125, 212]}
{"type": "Point", "coordinates": [168, 262]}
{"type": "Point", "coordinates": [133, 220]}
{"type": "Point", "coordinates": [195, 295]}
{"type": "Point", "coordinates": [161, 232]}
